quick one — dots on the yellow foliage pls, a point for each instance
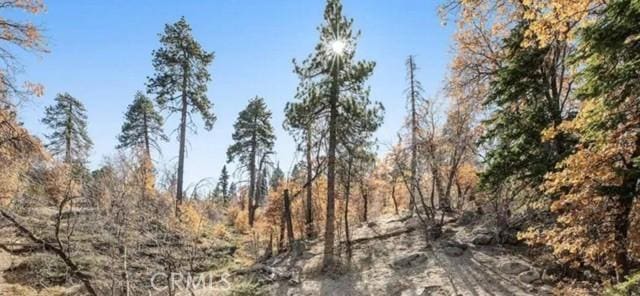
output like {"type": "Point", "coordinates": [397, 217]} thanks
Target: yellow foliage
{"type": "Point", "coordinates": [220, 231]}
{"type": "Point", "coordinates": [18, 151]}
{"type": "Point", "coordinates": [147, 176]}
{"type": "Point", "coordinates": [239, 219]}
{"type": "Point", "coordinates": [191, 220]}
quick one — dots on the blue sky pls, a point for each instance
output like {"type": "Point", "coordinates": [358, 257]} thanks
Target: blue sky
{"type": "Point", "coordinates": [101, 53]}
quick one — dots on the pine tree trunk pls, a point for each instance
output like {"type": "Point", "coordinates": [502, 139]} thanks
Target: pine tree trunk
{"type": "Point", "coordinates": [365, 198]}
{"type": "Point", "coordinates": [329, 236]}
{"type": "Point", "coordinates": [147, 156]}
{"type": "Point", "coordinates": [252, 181]}
{"type": "Point", "coordinates": [309, 207]}
{"type": "Point", "coordinates": [287, 214]}
{"type": "Point", "coordinates": [282, 230]}
{"type": "Point", "coordinates": [69, 127]}
{"type": "Point", "coordinates": [393, 196]}
{"type": "Point", "coordinates": [347, 195]}
{"type": "Point", "coordinates": [183, 138]}
{"type": "Point", "coordinates": [147, 145]}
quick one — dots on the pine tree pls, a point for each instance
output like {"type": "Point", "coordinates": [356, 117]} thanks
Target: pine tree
{"type": "Point", "coordinates": [142, 126]}
{"type": "Point", "coordinates": [526, 98]}
{"type": "Point", "coordinates": [223, 185]}
{"type": "Point", "coordinates": [233, 191]}
{"type": "Point", "coordinates": [253, 142]}
{"type": "Point", "coordinates": [342, 98]}
{"type": "Point", "coordinates": [277, 177]}
{"type": "Point", "coordinates": [68, 120]}
{"type": "Point", "coordinates": [596, 187]}
{"type": "Point", "coordinates": [180, 84]}
{"type": "Point", "coordinates": [299, 124]}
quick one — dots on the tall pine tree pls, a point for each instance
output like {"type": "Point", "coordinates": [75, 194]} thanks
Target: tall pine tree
{"type": "Point", "coordinates": [142, 126]}
{"type": "Point", "coordinates": [180, 84]}
{"type": "Point", "coordinates": [343, 97]}
{"type": "Point", "coordinates": [253, 142]}
{"type": "Point", "coordinates": [69, 139]}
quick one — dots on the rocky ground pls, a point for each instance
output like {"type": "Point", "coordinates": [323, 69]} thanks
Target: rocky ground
{"type": "Point", "coordinates": [463, 262]}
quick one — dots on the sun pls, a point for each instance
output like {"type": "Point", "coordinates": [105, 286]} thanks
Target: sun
{"type": "Point", "coordinates": [338, 46]}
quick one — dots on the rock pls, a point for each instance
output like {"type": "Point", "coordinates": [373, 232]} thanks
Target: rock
{"type": "Point", "coordinates": [295, 279]}
{"type": "Point", "coordinates": [453, 251]}
{"type": "Point", "coordinates": [513, 267]}
{"type": "Point", "coordinates": [433, 291]}
{"type": "Point", "coordinates": [409, 261]}
{"type": "Point", "coordinates": [312, 265]}
{"type": "Point", "coordinates": [395, 287]}
{"type": "Point", "coordinates": [548, 277]}
{"type": "Point", "coordinates": [482, 239]}
{"type": "Point", "coordinates": [529, 276]}
{"type": "Point", "coordinates": [455, 244]}
{"type": "Point", "coordinates": [466, 218]}
{"type": "Point", "coordinates": [372, 224]}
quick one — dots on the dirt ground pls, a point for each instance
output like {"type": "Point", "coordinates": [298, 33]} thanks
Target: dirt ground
{"type": "Point", "coordinates": [407, 265]}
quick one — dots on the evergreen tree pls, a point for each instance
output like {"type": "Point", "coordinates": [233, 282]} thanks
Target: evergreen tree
{"type": "Point", "coordinates": [302, 126]}
{"type": "Point", "coordinates": [596, 187]}
{"type": "Point", "coordinates": [233, 191]}
{"type": "Point", "coordinates": [223, 185]}
{"type": "Point", "coordinates": [277, 176]}
{"type": "Point", "coordinates": [253, 142]}
{"type": "Point", "coordinates": [180, 84]}
{"type": "Point", "coordinates": [142, 126]}
{"type": "Point", "coordinates": [526, 100]}
{"type": "Point", "coordinates": [68, 120]}
{"type": "Point", "coordinates": [343, 97]}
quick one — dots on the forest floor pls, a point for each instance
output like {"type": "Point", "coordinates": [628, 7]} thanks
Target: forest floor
{"type": "Point", "coordinates": [406, 264]}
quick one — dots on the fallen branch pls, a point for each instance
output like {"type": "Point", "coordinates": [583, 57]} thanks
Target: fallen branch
{"type": "Point", "coordinates": [386, 235]}
{"type": "Point", "coordinates": [75, 271]}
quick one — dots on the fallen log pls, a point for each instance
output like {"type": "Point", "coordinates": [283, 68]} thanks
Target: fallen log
{"type": "Point", "coordinates": [382, 236]}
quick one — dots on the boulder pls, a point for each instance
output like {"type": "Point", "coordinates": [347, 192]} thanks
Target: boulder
{"type": "Point", "coordinates": [466, 218]}
{"type": "Point", "coordinates": [548, 277]}
{"type": "Point", "coordinates": [433, 291]}
{"type": "Point", "coordinates": [513, 267]}
{"type": "Point", "coordinates": [455, 244]}
{"type": "Point", "coordinates": [395, 287]}
{"type": "Point", "coordinates": [482, 239]}
{"type": "Point", "coordinates": [529, 276]}
{"type": "Point", "coordinates": [453, 251]}
{"type": "Point", "coordinates": [408, 260]}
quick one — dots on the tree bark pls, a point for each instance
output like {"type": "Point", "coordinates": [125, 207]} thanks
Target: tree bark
{"type": "Point", "coordinates": [393, 196]}
{"type": "Point", "coordinates": [252, 179]}
{"type": "Point", "coordinates": [347, 195]}
{"type": "Point", "coordinates": [183, 140]}
{"type": "Point", "coordinates": [287, 213]}
{"type": "Point", "coordinates": [310, 231]}
{"type": "Point", "coordinates": [365, 199]}
{"type": "Point", "coordinates": [329, 236]}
